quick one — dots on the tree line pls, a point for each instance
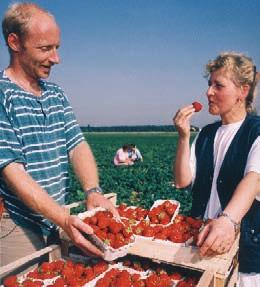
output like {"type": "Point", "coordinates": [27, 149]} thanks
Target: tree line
{"type": "Point", "coordinates": [139, 128]}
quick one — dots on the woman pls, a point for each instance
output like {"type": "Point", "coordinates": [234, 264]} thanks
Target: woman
{"type": "Point", "coordinates": [223, 165]}
{"type": "Point", "coordinates": [122, 157]}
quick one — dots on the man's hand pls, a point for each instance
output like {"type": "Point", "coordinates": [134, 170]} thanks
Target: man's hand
{"type": "Point", "coordinates": [75, 229]}
{"type": "Point", "coordinates": [217, 237]}
{"type": "Point", "coordinates": [96, 199]}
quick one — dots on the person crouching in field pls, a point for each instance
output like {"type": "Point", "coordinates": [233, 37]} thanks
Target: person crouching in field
{"type": "Point", "coordinates": [134, 153]}
{"type": "Point", "coordinates": [223, 166]}
{"type": "Point", "coordinates": [122, 156]}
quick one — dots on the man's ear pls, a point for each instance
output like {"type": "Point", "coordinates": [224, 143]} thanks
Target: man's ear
{"type": "Point", "coordinates": [14, 42]}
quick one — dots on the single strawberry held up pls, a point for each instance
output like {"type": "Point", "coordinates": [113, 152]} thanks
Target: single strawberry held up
{"type": "Point", "coordinates": [197, 106]}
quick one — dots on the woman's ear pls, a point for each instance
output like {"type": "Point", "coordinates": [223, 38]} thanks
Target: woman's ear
{"type": "Point", "coordinates": [244, 91]}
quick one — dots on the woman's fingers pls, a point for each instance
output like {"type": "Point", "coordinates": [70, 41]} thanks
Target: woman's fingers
{"type": "Point", "coordinates": [216, 238]}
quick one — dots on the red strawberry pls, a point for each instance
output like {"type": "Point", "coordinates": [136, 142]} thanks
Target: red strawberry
{"type": "Point", "coordinates": [60, 282]}
{"type": "Point", "coordinates": [103, 221]}
{"type": "Point", "coordinates": [176, 276]}
{"type": "Point", "coordinates": [127, 232]}
{"type": "Point", "coordinates": [197, 106]}
{"type": "Point", "coordinates": [100, 267]}
{"type": "Point", "coordinates": [115, 226]}
{"type": "Point", "coordinates": [10, 281]}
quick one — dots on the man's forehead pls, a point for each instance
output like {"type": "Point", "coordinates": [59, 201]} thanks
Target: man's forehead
{"type": "Point", "coordinates": [41, 22]}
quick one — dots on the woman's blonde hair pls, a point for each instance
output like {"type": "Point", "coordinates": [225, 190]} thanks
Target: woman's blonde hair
{"type": "Point", "coordinates": [242, 70]}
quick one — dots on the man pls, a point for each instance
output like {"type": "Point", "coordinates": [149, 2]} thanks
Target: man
{"type": "Point", "coordinates": [39, 137]}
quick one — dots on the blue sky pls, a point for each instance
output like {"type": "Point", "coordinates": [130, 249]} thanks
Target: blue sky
{"type": "Point", "coordinates": [134, 62]}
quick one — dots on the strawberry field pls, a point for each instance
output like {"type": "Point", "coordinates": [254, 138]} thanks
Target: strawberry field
{"type": "Point", "coordinates": [142, 183]}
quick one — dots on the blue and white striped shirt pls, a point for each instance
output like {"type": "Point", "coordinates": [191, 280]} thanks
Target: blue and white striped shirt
{"type": "Point", "coordinates": [38, 132]}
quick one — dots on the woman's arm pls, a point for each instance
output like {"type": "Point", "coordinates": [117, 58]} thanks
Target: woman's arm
{"type": "Point", "coordinates": [183, 175]}
{"type": "Point", "coordinates": [219, 235]}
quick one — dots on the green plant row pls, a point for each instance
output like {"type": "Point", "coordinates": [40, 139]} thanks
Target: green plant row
{"type": "Point", "coordinates": [142, 183]}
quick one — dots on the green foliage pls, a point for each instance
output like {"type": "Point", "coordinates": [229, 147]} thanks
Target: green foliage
{"type": "Point", "coordinates": [142, 183]}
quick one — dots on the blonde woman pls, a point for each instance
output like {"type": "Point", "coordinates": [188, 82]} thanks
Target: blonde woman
{"type": "Point", "coordinates": [223, 166]}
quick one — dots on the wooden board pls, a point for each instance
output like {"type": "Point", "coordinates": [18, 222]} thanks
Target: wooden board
{"type": "Point", "coordinates": [53, 251]}
{"type": "Point", "coordinates": [187, 256]}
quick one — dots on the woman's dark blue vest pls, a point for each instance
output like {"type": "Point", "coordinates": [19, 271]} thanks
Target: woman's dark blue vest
{"type": "Point", "coordinates": [230, 174]}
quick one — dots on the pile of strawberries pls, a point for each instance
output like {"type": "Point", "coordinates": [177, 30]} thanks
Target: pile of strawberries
{"type": "Point", "coordinates": [68, 273]}
{"type": "Point", "coordinates": [161, 274]}
{"type": "Point", "coordinates": [182, 229]}
{"type": "Point", "coordinates": [132, 213]}
{"type": "Point", "coordinates": [163, 213]}
{"type": "Point", "coordinates": [123, 278]}
{"type": "Point", "coordinates": [110, 231]}
{"type": "Point", "coordinates": [159, 223]}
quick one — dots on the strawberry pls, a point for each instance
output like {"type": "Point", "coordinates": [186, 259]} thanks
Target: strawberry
{"type": "Point", "coordinates": [127, 232]}
{"type": "Point", "coordinates": [164, 217]}
{"type": "Point", "coordinates": [138, 230]}
{"type": "Point", "coordinates": [30, 283]}
{"type": "Point", "coordinates": [46, 267]}
{"type": "Point", "coordinates": [135, 277]}
{"type": "Point", "coordinates": [103, 282]}
{"type": "Point", "coordinates": [59, 282]}
{"type": "Point", "coordinates": [123, 279]}
{"type": "Point", "coordinates": [79, 269]}
{"type": "Point", "coordinates": [148, 232]}
{"type": "Point", "coordinates": [101, 234]}
{"type": "Point", "coordinates": [197, 106]}
{"type": "Point", "coordinates": [119, 241]}
{"type": "Point", "coordinates": [139, 283]}
{"type": "Point", "coordinates": [115, 226]}
{"type": "Point", "coordinates": [100, 267]}
{"type": "Point", "coordinates": [152, 280]}
{"type": "Point", "coordinates": [170, 209]}
{"type": "Point", "coordinates": [103, 221]}
{"type": "Point", "coordinates": [89, 273]}
{"type": "Point", "coordinates": [93, 220]}
{"type": "Point", "coordinates": [11, 281]}
{"type": "Point", "coordinates": [165, 280]}
{"type": "Point", "coordinates": [58, 265]}
{"type": "Point", "coordinates": [176, 276]}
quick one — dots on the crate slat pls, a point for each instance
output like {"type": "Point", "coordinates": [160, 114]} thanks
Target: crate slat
{"type": "Point", "coordinates": [53, 250]}
{"type": "Point", "coordinates": [187, 256]}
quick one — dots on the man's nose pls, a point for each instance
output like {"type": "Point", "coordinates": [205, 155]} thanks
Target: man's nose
{"type": "Point", "coordinates": [54, 57]}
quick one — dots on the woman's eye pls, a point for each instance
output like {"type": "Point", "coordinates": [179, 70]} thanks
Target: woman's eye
{"type": "Point", "coordinates": [219, 86]}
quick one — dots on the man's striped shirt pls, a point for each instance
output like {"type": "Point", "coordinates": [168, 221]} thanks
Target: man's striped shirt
{"type": "Point", "coordinates": [38, 132]}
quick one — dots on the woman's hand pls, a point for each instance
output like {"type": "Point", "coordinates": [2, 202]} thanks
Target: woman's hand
{"type": "Point", "coordinates": [182, 120]}
{"type": "Point", "coordinates": [217, 237]}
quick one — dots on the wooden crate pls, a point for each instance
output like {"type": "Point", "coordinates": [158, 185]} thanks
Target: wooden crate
{"type": "Point", "coordinates": [224, 267]}
{"type": "Point", "coordinates": [54, 252]}
{"type": "Point", "coordinates": [218, 271]}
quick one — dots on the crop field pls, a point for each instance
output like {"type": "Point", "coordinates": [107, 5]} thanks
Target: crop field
{"type": "Point", "coordinates": [143, 182]}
